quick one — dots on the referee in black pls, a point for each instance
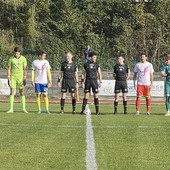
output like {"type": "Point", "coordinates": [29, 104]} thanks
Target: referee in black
{"type": "Point", "coordinates": [69, 77]}
{"type": "Point", "coordinates": [93, 80]}
{"type": "Point", "coordinates": [121, 73]}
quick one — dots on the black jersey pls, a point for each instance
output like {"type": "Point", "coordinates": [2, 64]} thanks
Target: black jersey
{"type": "Point", "coordinates": [91, 69]}
{"type": "Point", "coordinates": [121, 71]}
{"type": "Point", "coordinates": [68, 69]}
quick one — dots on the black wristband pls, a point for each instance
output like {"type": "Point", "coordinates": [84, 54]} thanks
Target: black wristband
{"type": "Point", "coordinates": [58, 80]}
{"type": "Point", "coordinates": [82, 80]}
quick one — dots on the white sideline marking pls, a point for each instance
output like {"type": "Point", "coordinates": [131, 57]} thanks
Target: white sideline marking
{"type": "Point", "coordinates": [34, 125]}
{"type": "Point", "coordinates": [73, 126]}
{"type": "Point", "coordinates": [90, 146]}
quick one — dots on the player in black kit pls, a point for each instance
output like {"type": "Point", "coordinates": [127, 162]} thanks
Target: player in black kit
{"type": "Point", "coordinates": [121, 74]}
{"type": "Point", "coordinates": [91, 74]}
{"type": "Point", "coordinates": [69, 76]}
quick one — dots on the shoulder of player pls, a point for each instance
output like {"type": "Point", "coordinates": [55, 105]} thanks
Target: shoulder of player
{"type": "Point", "coordinates": [97, 64]}
{"type": "Point", "coordinates": [11, 57]}
{"type": "Point", "coordinates": [22, 57]}
{"type": "Point", "coordinates": [63, 63]}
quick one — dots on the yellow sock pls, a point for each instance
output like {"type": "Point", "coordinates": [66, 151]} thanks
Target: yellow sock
{"type": "Point", "coordinates": [46, 103]}
{"type": "Point", "coordinates": [39, 103]}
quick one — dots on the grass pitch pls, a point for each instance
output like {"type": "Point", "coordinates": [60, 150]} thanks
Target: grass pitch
{"type": "Point", "coordinates": [122, 142]}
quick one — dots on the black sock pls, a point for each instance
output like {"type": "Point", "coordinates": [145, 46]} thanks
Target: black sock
{"type": "Point", "coordinates": [125, 105]}
{"type": "Point", "coordinates": [96, 102]}
{"type": "Point", "coordinates": [115, 106]}
{"type": "Point", "coordinates": [74, 104]}
{"type": "Point", "coordinates": [84, 104]}
{"type": "Point", "coordinates": [62, 102]}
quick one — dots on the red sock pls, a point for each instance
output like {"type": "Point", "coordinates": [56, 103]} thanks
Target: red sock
{"type": "Point", "coordinates": [148, 104]}
{"type": "Point", "coordinates": [137, 103]}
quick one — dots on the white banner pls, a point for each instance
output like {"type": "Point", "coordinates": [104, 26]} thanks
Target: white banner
{"type": "Point", "coordinates": [108, 86]}
{"type": "Point", "coordinates": [4, 88]}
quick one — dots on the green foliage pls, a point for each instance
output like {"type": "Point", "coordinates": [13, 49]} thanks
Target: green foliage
{"type": "Point", "coordinates": [110, 27]}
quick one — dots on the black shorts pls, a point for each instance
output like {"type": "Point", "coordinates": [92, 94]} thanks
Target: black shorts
{"type": "Point", "coordinates": [121, 86]}
{"type": "Point", "coordinates": [91, 83]}
{"type": "Point", "coordinates": [68, 84]}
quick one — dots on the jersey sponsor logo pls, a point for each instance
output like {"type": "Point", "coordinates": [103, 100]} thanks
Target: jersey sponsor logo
{"type": "Point", "coordinates": [42, 68]}
{"type": "Point", "coordinates": [91, 66]}
{"type": "Point", "coordinates": [143, 73]}
{"type": "Point", "coordinates": [121, 68]}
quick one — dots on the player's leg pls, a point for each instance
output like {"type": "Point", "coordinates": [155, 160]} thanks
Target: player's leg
{"type": "Point", "coordinates": [46, 101]}
{"type": "Point", "coordinates": [38, 99]}
{"type": "Point", "coordinates": [124, 102]}
{"type": "Point", "coordinates": [86, 95]}
{"type": "Point", "coordinates": [85, 100]}
{"type": "Point", "coordinates": [72, 89]}
{"type": "Point", "coordinates": [44, 92]}
{"type": "Point", "coordinates": [63, 95]}
{"type": "Point", "coordinates": [147, 97]}
{"type": "Point", "coordinates": [124, 96]}
{"type": "Point", "coordinates": [116, 102]}
{"type": "Point", "coordinates": [95, 90]}
{"type": "Point", "coordinates": [96, 102]}
{"type": "Point", "coordinates": [73, 102]}
{"type": "Point", "coordinates": [38, 96]}
{"type": "Point", "coordinates": [140, 89]}
{"type": "Point", "coordinates": [116, 99]}
{"type": "Point", "coordinates": [21, 87]}
{"type": "Point", "coordinates": [12, 84]}
{"type": "Point", "coordinates": [11, 100]}
{"type": "Point", "coordinates": [23, 101]}
{"type": "Point", "coordinates": [62, 102]}
{"type": "Point", "coordinates": [167, 101]}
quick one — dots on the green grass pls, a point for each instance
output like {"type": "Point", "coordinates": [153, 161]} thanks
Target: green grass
{"type": "Point", "coordinates": [123, 142]}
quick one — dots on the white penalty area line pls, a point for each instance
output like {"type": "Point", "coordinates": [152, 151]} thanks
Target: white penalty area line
{"type": "Point", "coordinates": [90, 146]}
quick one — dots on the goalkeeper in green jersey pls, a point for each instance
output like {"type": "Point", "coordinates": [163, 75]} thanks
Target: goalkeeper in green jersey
{"type": "Point", "coordinates": [16, 73]}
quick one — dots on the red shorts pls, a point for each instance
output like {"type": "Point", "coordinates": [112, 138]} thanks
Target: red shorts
{"type": "Point", "coordinates": [143, 90]}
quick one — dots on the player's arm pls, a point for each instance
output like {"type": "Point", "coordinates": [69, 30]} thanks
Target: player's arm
{"type": "Point", "coordinates": [134, 79]}
{"type": "Point", "coordinates": [49, 77]}
{"type": "Point", "coordinates": [151, 78]}
{"type": "Point", "coordinates": [83, 75]}
{"type": "Point", "coordinates": [25, 73]}
{"type": "Point", "coordinates": [76, 77]}
{"type": "Point", "coordinates": [33, 77]}
{"type": "Point", "coordinates": [114, 72]}
{"type": "Point", "coordinates": [25, 70]}
{"type": "Point", "coordinates": [9, 74]}
{"type": "Point", "coordinates": [100, 75]}
{"type": "Point", "coordinates": [128, 74]}
{"type": "Point", "coordinates": [163, 74]}
{"type": "Point", "coordinates": [60, 76]}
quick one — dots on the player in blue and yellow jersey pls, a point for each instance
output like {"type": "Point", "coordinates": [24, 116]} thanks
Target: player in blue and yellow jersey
{"type": "Point", "coordinates": [41, 80]}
